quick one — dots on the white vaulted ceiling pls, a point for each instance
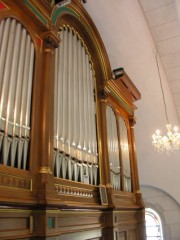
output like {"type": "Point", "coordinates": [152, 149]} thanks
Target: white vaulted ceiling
{"type": "Point", "coordinates": [163, 19]}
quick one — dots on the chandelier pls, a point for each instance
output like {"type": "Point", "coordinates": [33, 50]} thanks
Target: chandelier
{"type": "Point", "coordinates": [170, 141]}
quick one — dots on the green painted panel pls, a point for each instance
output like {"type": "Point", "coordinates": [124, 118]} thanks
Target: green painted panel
{"type": "Point", "coordinates": [36, 12]}
{"type": "Point", "coordinates": [51, 222]}
{"type": "Point", "coordinates": [63, 9]}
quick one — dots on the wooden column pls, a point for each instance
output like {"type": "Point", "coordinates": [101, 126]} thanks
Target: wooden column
{"type": "Point", "coordinates": [103, 150]}
{"type": "Point", "coordinates": [104, 164]}
{"type": "Point", "coordinates": [46, 188]}
{"type": "Point", "coordinates": [135, 175]}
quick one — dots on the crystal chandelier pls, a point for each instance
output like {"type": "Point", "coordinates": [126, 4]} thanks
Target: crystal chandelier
{"type": "Point", "coordinates": [170, 141]}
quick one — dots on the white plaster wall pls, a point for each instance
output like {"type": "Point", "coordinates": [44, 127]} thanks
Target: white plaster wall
{"type": "Point", "coordinates": [167, 208]}
{"type": "Point", "coordinates": [129, 44]}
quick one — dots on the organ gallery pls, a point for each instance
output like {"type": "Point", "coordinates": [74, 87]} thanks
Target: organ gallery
{"type": "Point", "coordinates": [68, 166]}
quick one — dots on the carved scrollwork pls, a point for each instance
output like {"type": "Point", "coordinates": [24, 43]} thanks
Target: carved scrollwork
{"type": "Point", "coordinates": [50, 41]}
{"type": "Point", "coordinates": [132, 121]}
{"type": "Point", "coordinates": [103, 94]}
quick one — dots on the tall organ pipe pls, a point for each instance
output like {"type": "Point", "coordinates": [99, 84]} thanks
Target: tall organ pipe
{"type": "Point", "coordinates": [79, 98]}
{"type": "Point", "coordinates": [3, 54]}
{"type": "Point", "coordinates": [113, 149]}
{"type": "Point", "coordinates": [75, 107]}
{"type": "Point", "coordinates": [7, 71]}
{"type": "Point", "coordinates": [60, 99]}
{"type": "Point", "coordinates": [1, 31]}
{"type": "Point", "coordinates": [75, 94]}
{"type": "Point", "coordinates": [16, 73]}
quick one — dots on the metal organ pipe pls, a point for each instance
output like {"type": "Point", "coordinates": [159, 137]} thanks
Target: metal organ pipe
{"type": "Point", "coordinates": [7, 71]}
{"type": "Point", "coordinates": [125, 155]}
{"type": "Point", "coordinates": [4, 41]}
{"type": "Point", "coordinates": [74, 79]}
{"type": "Point", "coordinates": [60, 99]}
{"type": "Point", "coordinates": [69, 96]}
{"type": "Point", "coordinates": [28, 107]}
{"type": "Point", "coordinates": [1, 30]}
{"type": "Point", "coordinates": [13, 77]}
{"type": "Point", "coordinates": [16, 74]}
{"type": "Point", "coordinates": [79, 116]}
{"type": "Point", "coordinates": [113, 149]}
{"type": "Point", "coordinates": [75, 92]}
{"type": "Point", "coordinates": [64, 93]}
{"type": "Point", "coordinates": [8, 67]}
{"type": "Point", "coordinates": [11, 96]}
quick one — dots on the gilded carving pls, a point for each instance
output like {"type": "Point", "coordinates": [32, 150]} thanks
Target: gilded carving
{"type": "Point", "coordinates": [50, 41]}
{"type": "Point", "coordinates": [132, 121]}
{"type": "Point", "coordinates": [103, 95]}
{"type": "Point", "coordinates": [45, 170]}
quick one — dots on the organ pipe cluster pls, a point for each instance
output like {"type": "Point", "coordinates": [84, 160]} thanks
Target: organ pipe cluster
{"type": "Point", "coordinates": [75, 141]}
{"type": "Point", "coordinates": [16, 75]}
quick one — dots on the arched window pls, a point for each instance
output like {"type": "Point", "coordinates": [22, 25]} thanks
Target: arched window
{"type": "Point", "coordinates": [153, 225]}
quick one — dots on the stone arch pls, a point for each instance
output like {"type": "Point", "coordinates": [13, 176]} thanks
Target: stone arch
{"type": "Point", "coordinates": [167, 208]}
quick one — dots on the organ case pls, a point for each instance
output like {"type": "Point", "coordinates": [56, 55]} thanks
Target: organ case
{"type": "Point", "coordinates": [68, 167]}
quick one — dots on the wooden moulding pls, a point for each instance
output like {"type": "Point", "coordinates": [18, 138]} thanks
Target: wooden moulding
{"type": "Point", "coordinates": [127, 87]}
{"type": "Point", "coordinates": [78, 194]}
{"type": "Point", "coordinates": [15, 223]}
{"type": "Point", "coordinates": [124, 92]}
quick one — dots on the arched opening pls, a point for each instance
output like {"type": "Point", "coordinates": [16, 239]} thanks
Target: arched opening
{"type": "Point", "coordinates": [153, 225]}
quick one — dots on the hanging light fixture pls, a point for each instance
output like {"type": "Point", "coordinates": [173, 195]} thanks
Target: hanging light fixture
{"type": "Point", "coordinates": [170, 141]}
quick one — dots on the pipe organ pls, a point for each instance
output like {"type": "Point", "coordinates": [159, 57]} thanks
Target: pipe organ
{"type": "Point", "coordinates": [68, 166]}
{"type": "Point", "coordinates": [113, 149]}
{"type": "Point", "coordinates": [125, 155]}
{"type": "Point", "coordinates": [16, 76]}
{"type": "Point", "coordinates": [75, 142]}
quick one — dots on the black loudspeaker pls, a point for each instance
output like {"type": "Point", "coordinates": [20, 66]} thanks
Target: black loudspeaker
{"type": "Point", "coordinates": [58, 1]}
{"type": "Point", "coordinates": [61, 3]}
{"type": "Point", "coordinates": [117, 73]}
